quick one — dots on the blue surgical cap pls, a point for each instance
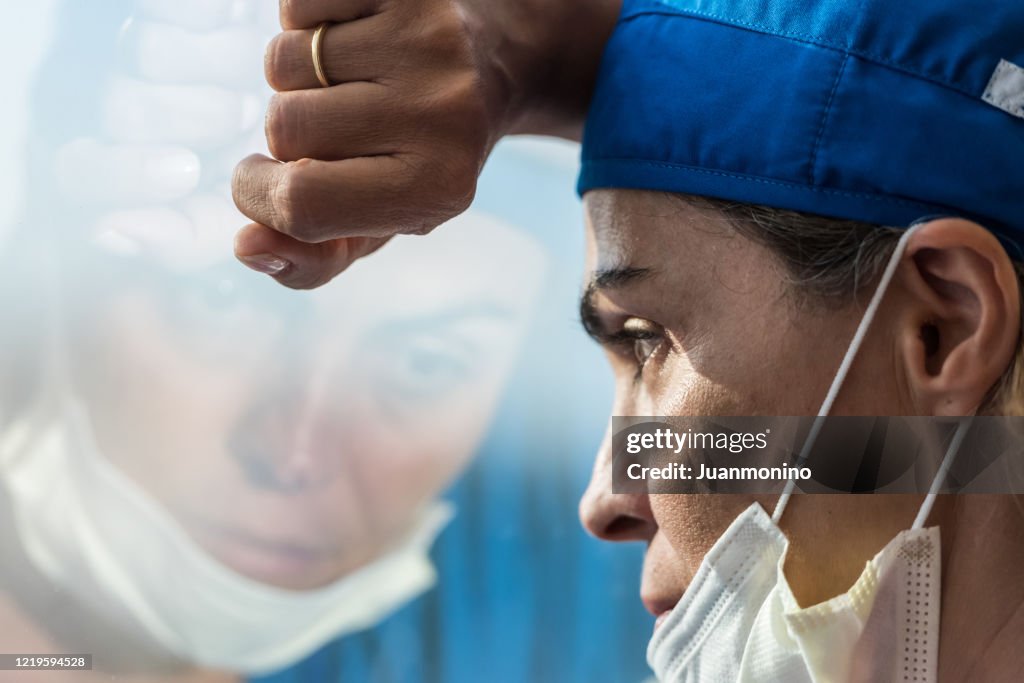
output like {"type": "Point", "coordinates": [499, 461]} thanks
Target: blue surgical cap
{"type": "Point", "coordinates": [872, 110]}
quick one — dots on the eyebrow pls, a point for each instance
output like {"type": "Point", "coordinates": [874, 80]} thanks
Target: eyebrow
{"type": "Point", "coordinates": [604, 280]}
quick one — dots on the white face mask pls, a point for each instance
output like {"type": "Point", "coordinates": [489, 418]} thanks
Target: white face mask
{"type": "Point", "coordinates": [91, 530]}
{"type": "Point", "coordinates": [739, 621]}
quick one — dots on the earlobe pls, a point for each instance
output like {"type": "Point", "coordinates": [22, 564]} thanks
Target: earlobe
{"type": "Point", "coordinates": [963, 320]}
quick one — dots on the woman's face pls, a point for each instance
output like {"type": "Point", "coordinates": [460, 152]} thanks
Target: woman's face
{"type": "Point", "coordinates": [295, 436]}
{"type": "Point", "coordinates": [697, 320]}
{"type": "Point", "coordinates": [298, 436]}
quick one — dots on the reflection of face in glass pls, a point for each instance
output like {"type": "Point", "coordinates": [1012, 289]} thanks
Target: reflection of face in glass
{"type": "Point", "coordinates": [295, 437]}
{"type": "Point", "coordinates": [298, 436]}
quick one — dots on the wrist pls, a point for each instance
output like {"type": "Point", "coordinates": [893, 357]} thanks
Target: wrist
{"type": "Point", "coordinates": [540, 60]}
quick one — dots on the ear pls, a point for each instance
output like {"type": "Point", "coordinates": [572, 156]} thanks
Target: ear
{"type": "Point", "coordinates": [963, 319]}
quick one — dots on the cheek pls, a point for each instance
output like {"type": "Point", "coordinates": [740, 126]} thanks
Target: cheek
{"type": "Point", "coordinates": [770, 373]}
{"type": "Point", "coordinates": [428, 443]}
{"type": "Point", "coordinates": [692, 523]}
{"type": "Point", "coordinates": [404, 454]}
{"type": "Point", "coordinates": [161, 408]}
{"type": "Point", "coordinates": [680, 387]}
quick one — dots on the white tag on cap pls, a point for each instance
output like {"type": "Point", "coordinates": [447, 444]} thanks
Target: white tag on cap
{"type": "Point", "coordinates": [1005, 89]}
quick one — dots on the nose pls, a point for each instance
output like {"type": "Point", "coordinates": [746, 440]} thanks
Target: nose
{"type": "Point", "coordinates": [295, 442]}
{"type": "Point", "coordinates": [284, 451]}
{"type": "Point", "coordinates": [614, 516]}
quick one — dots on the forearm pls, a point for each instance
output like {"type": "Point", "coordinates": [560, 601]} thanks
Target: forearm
{"type": "Point", "coordinates": [545, 55]}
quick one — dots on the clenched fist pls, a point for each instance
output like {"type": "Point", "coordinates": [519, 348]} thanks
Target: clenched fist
{"type": "Point", "coordinates": [420, 91]}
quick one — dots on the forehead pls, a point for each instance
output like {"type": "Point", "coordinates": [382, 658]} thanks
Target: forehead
{"type": "Point", "coordinates": [693, 253]}
{"type": "Point", "coordinates": [473, 258]}
{"type": "Point", "coordinates": [646, 229]}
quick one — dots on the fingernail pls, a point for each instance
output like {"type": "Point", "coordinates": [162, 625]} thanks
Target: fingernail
{"type": "Point", "coordinates": [268, 264]}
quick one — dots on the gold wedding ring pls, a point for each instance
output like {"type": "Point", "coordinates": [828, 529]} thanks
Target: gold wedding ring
{"type": "Point", "coordinates": [318, 54]}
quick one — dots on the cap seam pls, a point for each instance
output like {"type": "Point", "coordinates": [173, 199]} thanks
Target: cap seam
{"type": "Point", "coordinates": [805, 38]}
{"type": "Point", "coordinates": [813, 170]}
{"type": "Point", "coordinates": [885, 199]}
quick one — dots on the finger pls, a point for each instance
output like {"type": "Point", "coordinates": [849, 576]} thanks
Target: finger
{"type": "Point", "coordinates": [335, 123]}
{"type": "Point", "coordinates": [201, 117]}
{"type": "Point", "coordinates": [196, 15]}
{"type": "Point", "coordinates": [170, 54]}
{"type": "Point", "coordinates": [196, 234]}
{"type": "Point", "coordinates": [98, 174]}
{"type": "Point", "coordinates": [312, 13]}
{"type": "Point", "coordinates": [315, 201]}
{"type": "Point", "coordinates": [131, 232]}
{"type": "Point", "coordinates": [350, 52]}
{"type": "Point", "coordinates": [296, 264]}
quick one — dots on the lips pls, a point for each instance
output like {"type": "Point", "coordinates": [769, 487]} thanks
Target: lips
{"type": "Point", "coordinates": [660, 607]}
{"type": "Point", "coordinates": [285, 564]}
{"type": "Point", "coordinates": [665, 579]}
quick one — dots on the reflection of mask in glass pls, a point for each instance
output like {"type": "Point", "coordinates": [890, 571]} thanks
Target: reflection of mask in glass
{"type": "Point", "coordinates": [91, 530]}
{"type": "Point", "coordinates": [739, 621]}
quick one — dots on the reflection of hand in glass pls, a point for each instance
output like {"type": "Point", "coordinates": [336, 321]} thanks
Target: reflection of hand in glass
{"type": "Point", "coordinates": [186, 100]}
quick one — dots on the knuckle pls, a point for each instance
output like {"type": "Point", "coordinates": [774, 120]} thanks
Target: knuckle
{"type": "Point", "coordinates": [455, 189]}
{"type": "Point", "coordinates": [292, 203]}
{"type": "Point", "coordinates": [464, 194]}
{"type": "Point", "coordinates": [287, 201]}
{"type": "Point", "coordinates": [447, 195]}
{"type": "Point", "coordinates": [466, 94]}
{"type": "Point", "coordinates": [447, 35]}
{"type": "Point", "coordinates": [460, 110]}
{"type": "Point", "coordinates": [291, 12]}
{"type": "Point", "coordinates": [276, 62]}
{"type": "Point", "coordinates": [462, 191]}
{"type": "Point", "coordinates": [280, 127]}
{"type": "Point", "coordinates": [457, 176]}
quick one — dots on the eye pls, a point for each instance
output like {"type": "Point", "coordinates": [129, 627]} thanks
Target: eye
{"type": "Point", "coordinates": [219, 304]}
{"type": "Point", "coordinates": [643, 348]}
{"type": "Point", "coordinates": [211, 316]}
{"type": "Point", "coordinates": [413, 370]}
{"type": "Point", "coordinates": [426, 367]}
{"type": "Point", "coordinates": [644, 336]}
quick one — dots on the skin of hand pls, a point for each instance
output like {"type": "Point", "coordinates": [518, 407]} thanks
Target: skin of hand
{"type": "Point", "coordinates": [420, 94]}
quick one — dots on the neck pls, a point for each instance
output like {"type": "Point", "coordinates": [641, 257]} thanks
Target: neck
{"type": "Point", "coordinates": [982, 591]}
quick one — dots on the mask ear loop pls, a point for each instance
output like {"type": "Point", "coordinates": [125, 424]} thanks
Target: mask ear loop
{"type": "Point", "coordinates": [844, 368]}
{"type": "Point", "coordinates": [940, 477]}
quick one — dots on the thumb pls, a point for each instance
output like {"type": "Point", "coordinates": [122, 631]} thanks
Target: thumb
{"type": "Point", "coordinates": [296, 264]}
